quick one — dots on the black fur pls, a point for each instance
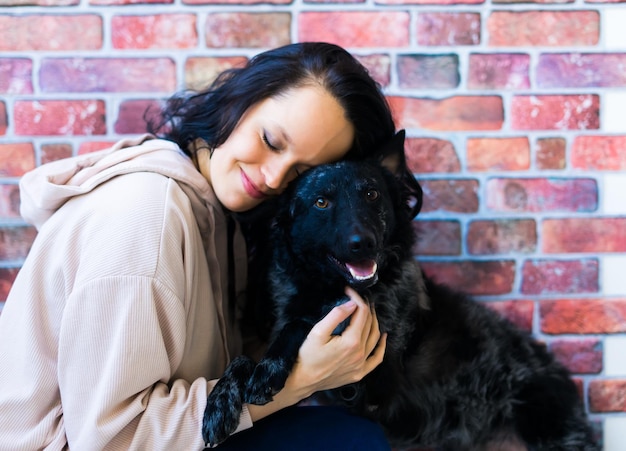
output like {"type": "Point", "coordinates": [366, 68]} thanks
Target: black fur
{"type": "Point", "coordinates": [455, 375]}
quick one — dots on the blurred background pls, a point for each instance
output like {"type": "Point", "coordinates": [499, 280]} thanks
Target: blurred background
{"type": "Point", "coordinates": [515, 112]}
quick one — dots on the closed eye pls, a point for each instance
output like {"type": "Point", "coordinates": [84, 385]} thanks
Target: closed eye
{"type": "Point", "coordinates": [268, 143]}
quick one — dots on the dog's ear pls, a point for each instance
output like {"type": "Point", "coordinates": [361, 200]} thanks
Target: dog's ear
{"type": "Point", "coordinates": [392, 156]}
{"type": "Point", "coordinates": [393, 159]}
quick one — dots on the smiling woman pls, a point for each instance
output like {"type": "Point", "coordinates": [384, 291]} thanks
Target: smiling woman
{"type": "Point", "coordinates": [139, 254]}
{"type": "Point", "coordinates": [269, 147]}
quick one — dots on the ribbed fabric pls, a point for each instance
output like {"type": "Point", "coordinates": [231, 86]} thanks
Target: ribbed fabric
{"type": "Point", "coordinates": [114, 331]}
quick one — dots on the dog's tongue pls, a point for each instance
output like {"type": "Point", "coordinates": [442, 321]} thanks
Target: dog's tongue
{"type": "Point", "coordinates": [362, 270]}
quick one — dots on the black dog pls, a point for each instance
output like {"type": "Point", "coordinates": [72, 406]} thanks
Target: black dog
{"type": "Point", "coordinates": [455, 374]}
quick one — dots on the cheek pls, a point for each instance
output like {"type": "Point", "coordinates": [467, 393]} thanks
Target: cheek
{"type": "Point", "coordinates": [245, 149]}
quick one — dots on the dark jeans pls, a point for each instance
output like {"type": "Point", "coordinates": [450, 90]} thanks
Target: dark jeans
{"type": "Point", "coordinates": [318, 428]}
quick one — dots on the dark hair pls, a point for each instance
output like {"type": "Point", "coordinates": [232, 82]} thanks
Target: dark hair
{"type": "Point", "coordinates": [214, 113]}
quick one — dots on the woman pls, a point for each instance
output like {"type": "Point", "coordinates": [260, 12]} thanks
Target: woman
{"type": "Point", "coordinates": [126, 312]}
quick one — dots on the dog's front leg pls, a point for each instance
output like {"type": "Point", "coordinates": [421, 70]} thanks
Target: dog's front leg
{"type": "Point", "coordinates": [224, 404]}
{"type": "Point", "coordinates": [272, 371]}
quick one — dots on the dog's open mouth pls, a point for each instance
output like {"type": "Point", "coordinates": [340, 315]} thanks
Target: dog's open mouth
{"type": "Point", "coordinates": [361, 273]}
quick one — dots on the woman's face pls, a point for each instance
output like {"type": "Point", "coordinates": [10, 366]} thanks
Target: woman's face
{"type": "Point", "coordinates": [275, 140]}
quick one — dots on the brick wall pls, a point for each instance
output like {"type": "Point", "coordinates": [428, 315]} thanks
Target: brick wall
{"type": "Point", "coordinates": [516, 115]}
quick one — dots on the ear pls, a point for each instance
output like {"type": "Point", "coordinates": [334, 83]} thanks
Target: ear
{"type": "Point", "coordinates": [394, 160]}
{"type": "Point", "coordinates": [392, 156]}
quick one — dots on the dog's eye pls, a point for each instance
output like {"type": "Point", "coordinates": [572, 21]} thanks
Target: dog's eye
{"type": "Point", "coordinates": [372, 194]}
{"type": "Point", "coordinates": [321, 202]}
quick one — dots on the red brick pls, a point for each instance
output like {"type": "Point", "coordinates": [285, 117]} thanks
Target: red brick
{"type": "Point", "coordinates": [378, 65]}
{"type": "Point", "coordinates": [7, 277]}
{"type": "Point", "coordinates": [498, 154]}
{"type": "Point", "coordinates": [9, 202]}
{"type": "Point", "coordinates": [159, 31]}
{"type": "Point", "coordinates": [542, 194]}
{"type": "Point", "coordinates": [53, 152]}
{"type": "Point", "coordinates": [599, 152]}
{"type": "Point", "coordinates": [355, 28]}
{"type": "Point", "coordinates": [130, 117]}
{"type": "Point", "coordinates": [581, 356]}
{"type": "Point", "coordinates": [16, 242]}
{"type": "Point", "coordinates": [39, 2]}
{"type": "Point", "coordinates": [449, 114]}
{"type": "Point", "coordinates": [555, 112]}
{"type": "Point", "coordinates": [501, 236]}
{"type": "Point", "coordinates": [236, 2]}
{"type": "Point", "coordinates": [541, 2]}
{"type": "Point", "coordinates": [3, 118]}
{"type": "Point", "coordinates": [16, 159]}
{"type": "Point", "coordinates": [474, 277]}
{"type": "Point", "coordinates": [94, 146]}
{"type": "Point", "coordinates": [428, 2]}
{"type": "Point", "coordinates": [560, 276]}
{"type": "Point", "coordinates": [127, 2]}
{"type": "Point", "coordinates": [428, 71]}
{"type": "Point", "coordinates": [201, 71]}
{"type": "Point", "coordinates": [518, 312]}
{"type": "Point", "coordinates": [431, 155]}
{"type": "Point", "coordinates": [607, 395]}
{"type": "Point", "coordinates": [583, 235]}
{"type": "Point", "coordinates": [550, 153]}
{"type": "Point", "coordinates": [107, 75]}
{"type": "Point", "coordinates": [257, 30]}
{"type": "Point", "coordinates": [498, 71]}
{"type": "Point", "coordinates": [332, 1]}
{"type": "Point", "coordinates": [583, 316]}
{"type": "Point", "coordinates": [50, 32]}
{"type": "Point", "coordinates": [59, 117]}
{"type": "Point", "coordinates": [457, 195]}
{"type": "Point", "coordinates": [437, 237]}
{"type": "Point", "coordinates": [16, 76]}
{"type": "Point", "coordinates": [448, 29]}
{"type": "Point", "coordinates": [575, 70]}
{"type": "Point", "coordinates": [543, 28]}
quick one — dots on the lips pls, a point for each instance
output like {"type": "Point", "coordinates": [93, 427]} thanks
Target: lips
{"type": "Point", "coordinates": [250, 188]}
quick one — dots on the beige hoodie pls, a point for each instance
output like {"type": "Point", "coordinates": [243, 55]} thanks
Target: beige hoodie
{"type": "Point", "coordinates": [115, 329]}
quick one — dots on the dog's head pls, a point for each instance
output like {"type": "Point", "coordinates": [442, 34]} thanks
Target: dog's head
{"type": "Point", "coordinates": [343, 222]}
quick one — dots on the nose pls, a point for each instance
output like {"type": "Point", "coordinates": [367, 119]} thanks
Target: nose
{"type": "Point", "coordinates": [361, 244]}
{"type": "Point", "coordinates": [277, 173]}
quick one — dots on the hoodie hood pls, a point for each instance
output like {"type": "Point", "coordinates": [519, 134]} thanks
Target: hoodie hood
{"type": "Point", "coordinates": [45, 189]}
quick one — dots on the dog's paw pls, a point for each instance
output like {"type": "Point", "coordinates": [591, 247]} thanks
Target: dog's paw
{"type": "Point", "coordinates": [268, 379]}
{"type": "Point", "coordinates": [221, 416]}
{"type": "Point", "coordinates": [225, 402]}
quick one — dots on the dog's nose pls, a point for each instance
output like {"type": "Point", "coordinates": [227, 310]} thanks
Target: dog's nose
{"type": "Point", "coordinates": [359, 243]}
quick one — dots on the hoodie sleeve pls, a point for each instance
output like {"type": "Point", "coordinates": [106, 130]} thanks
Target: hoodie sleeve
{"type": "Point", "coordinates": [120, 339]}
{"type": "Point", "coordinates": [138, 327]}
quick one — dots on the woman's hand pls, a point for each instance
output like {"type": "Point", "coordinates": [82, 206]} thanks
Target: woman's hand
{"type": "Point", "coordinates": [328, 361]}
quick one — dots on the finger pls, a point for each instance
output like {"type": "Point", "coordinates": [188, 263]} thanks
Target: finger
{"type": "Point", "coordinates": [325, 327]}
{"type": "Point", "coordinates": [374, 334]}
{"type": "Point", "coordinates": [354, 296]}
{"type": "Point", "coordinates": [359, 324]}
{"type": "Point", "coordinates": [377, 356]}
